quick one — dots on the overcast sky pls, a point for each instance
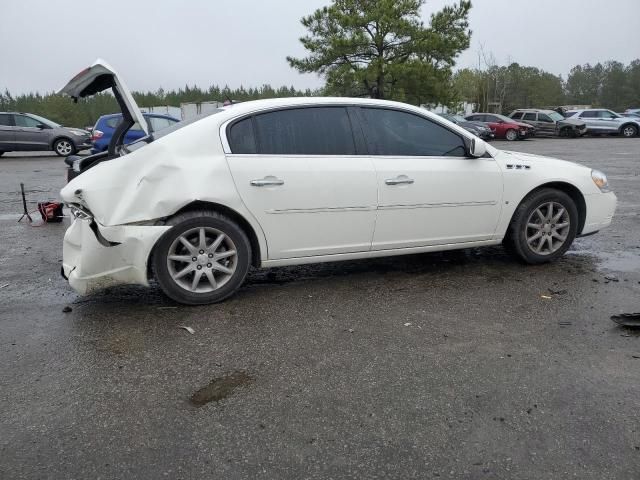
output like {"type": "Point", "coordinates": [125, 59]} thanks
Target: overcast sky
{"type": "Point", "coordinates": [168, 44]}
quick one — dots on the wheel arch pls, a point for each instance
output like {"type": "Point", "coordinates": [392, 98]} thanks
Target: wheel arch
{"type": "Point", "coordinates": [568, 188]}
{"type": "Point", "coordinates": [60, 137]}
{"type": "Point", "coordinates": [628, 124]}
{"type": "Point", "coordinates": [256, 250]}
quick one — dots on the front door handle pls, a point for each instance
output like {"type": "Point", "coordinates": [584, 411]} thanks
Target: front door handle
{"type": "Point", "coordinates": [268, 181]}
{"type": "Point", "coordinates": [399, 180]}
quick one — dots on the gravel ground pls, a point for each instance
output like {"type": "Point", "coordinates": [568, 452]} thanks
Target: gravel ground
{"type": "Point", "coordinates": [445, 365]}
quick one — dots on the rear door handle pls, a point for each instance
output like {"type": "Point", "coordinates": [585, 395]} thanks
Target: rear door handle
{"type": "Point", "coordinates": [268, 181]}
{"type": "Point", "coordinates": [399, 180]}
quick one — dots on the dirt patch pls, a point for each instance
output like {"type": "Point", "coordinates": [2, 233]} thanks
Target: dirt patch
{"type": "Point", "coordinates": [220, 388]}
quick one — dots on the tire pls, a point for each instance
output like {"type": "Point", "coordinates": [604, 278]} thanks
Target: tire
{"type": "Point", "coordinates": [64, 147]}
{"type": "Point", "coordinates": [531, 244]}
{"type": "Point", "coordinates": [177, 275]}
{"type": "Point", "coordinates": [511, 135]}
{"type": "Point", "coordinates": [629, 131]}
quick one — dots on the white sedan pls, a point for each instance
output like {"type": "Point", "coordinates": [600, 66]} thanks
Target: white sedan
{"type": "Point", "coordinates": [302, 180]}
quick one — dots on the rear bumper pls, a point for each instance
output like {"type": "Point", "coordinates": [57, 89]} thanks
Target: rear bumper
{"type": "Point", "coordinates": [600, 210]}
{"type": "Point", "coordinates": [90, 265]}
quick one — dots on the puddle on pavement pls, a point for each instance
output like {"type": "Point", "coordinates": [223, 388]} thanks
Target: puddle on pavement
{"type": "Point", "coordinates": [621, 261]}
{"type": "Point", "coordinates": [220, 388]}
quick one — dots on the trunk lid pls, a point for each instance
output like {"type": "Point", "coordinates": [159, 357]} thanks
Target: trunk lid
{"type": "Point", "coordinates": [99, 77]}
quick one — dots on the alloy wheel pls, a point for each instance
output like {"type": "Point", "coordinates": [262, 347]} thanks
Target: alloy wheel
{"type": "Point", "coordinates": [547, 228]}
{"type": "Point", "coordinates": [64, 147]}
{"type": "Point", "coordinates": [202, 259]}
{"type": "Point", "coordinates": [629, 131]}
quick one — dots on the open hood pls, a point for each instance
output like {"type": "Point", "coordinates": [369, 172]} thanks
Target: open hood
{"type": "Point", "coordinates": [99, 77]}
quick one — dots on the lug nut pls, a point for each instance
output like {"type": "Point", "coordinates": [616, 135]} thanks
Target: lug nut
{"type": "Point", "coordinates": [209, 265]}
{"type": "Point", "coordinates": [201, 252]}
{"type": "Point", "coordinates": [199, 267]}
{"type": "Point", "coordinates": [211, 255]}
{"type": "Point", "coordinates": [194, 259]}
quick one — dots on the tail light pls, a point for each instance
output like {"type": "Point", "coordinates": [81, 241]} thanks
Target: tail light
{"type": "Point", "coordinates": [96, 134]}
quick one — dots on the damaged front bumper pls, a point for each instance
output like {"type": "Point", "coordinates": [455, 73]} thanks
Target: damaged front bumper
{"type": "Point", "coordinates": [95, 257]}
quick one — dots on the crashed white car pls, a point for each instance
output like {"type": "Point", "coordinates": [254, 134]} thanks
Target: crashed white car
{"type": "Point", "coordinates": [300, 180]}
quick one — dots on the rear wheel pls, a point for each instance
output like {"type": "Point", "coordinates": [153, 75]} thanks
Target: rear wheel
{"type": "Point", "coordinates": [64, 147]}
{"type": "Point", "coordinates": [543, 227]}
{"type": "Point", "coordinates": [629, 131]}
{"type": "Point", "coordinates": [203, 259]}
{"type": "Point", "coordinates": [511, 135]}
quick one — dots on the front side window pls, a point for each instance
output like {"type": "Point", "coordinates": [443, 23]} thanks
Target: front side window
{"type": "Point", "coordinates": [529, 116]}
{"type": "Point", "coordinates": [606, 114]}
{"type": "Point", "coordinates": [24, 121]}
{"type": "Point", "coordinates": [544, 118]}
{"type": "Point", "coordinates": [305, 131]}
{"type": "Point", "coordinates": [392, 132]}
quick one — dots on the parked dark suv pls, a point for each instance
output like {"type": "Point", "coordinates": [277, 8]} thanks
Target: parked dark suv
{"type": "Point", "coordinates": [550, 122]}
{"type": "Point", "coordinates": [26, 132]}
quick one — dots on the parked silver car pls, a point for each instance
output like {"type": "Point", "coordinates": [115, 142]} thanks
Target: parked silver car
{"type": "Point", "coordinates": [550, 122]}
{"type": "Point", "coordinates": [602, 121]}
{"type": "Point", "coordinates": [29, 132]}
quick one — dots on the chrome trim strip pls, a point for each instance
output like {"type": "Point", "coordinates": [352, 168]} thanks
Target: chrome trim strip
{"type": "Point", "coordinates": [322, 210]}
{"type": "Point", "coordinates": [438, 205]}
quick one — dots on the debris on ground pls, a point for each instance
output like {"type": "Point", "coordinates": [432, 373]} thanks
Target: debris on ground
{"type": "Point", "coordinates": [611, 277]}
{"type": "Point", "coordinates": [67, 309]}
{"type": "Point", "coordinates": [408, 324]}
{"type": "Point", "coordinates": [5, 285]}
{"type": "Point", "coordinates": [557, 292]}
{"type": "Point", "coordinates": [188, 329]}
{"type": "Point", "coordinates": [565, 324]}
{"type": "Point", "coordinates": [627, 319]}
{"type": "Point", "coordinates": [546, 297]}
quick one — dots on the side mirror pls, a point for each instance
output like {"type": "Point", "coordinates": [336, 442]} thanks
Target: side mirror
{"type": "Point", "coordinates": [41, 126]}
{"type": "Point", "coordinates": [478, 148]}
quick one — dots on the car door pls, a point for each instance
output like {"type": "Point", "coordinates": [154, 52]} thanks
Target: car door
{"type": "Point", "coordinates": [590, 118]}
{"type": "Point", "coordinates": [28, 136]}
{"type": "Point", "coordinates": [429, 191]}
{"type": "Point", "coordinates": [303, 175]}
{"type": "Point", "coordinates": [7, 136]}
{"type": "Point", "coordinates": [545, 124]}
{"type": "Point", "coordinates": [531, 118]}
{"type": "Point", "coordinates": [610, 121]}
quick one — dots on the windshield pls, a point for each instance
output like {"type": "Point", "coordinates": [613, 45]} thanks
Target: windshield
{"type": "Point", "coordinates": [46, 121]}
{"type": "Point", "coordinates": [555, 116]}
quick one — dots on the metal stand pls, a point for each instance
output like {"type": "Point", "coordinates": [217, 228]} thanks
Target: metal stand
{"type": "Point", "coordinates": [24, 206]}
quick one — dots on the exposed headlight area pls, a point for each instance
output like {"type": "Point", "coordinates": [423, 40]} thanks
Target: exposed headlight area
{"type": "Point", "coordinates": [79, 212]}
{"type": "Point", "coordinates": [600, 179]}
{"type": "Point", "coordinates": [79, 133]}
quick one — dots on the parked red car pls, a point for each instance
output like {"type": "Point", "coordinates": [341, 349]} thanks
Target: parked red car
{"type": "Point", "coordinates": [504, 127]}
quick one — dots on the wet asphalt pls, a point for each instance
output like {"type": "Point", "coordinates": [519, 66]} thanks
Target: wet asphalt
{"type": "Point", "coordinates": [457, 365]}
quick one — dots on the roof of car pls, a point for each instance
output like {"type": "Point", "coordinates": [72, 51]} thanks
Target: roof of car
{"type": "Point", "coordinates": [534, 110]}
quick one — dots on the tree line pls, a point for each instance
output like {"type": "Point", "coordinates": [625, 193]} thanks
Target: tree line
{"type": "Point", "coordinates": [62, 110]}
{"type": "Point", "coordinates": [503, 88]}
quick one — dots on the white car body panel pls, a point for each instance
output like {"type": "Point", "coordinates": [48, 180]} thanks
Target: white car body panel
{"type": "Point", "coordinates": [328, 209]}
{"type": "Point", "coordinates": [76, 86]}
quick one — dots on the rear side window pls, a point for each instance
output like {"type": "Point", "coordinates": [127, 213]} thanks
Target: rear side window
{"type": "Point", "coordinates": [242, 138]}
{"type": "Point", "coordinates": [113, 122]}
{"type": "Point", "coordinates": [529, 116]}
{"type": "Point", "coordinates": [397, 133]}
{"type": "Point", "coordinates": [159, 123]}
{"type": "Point", "coordinates": [516, 115]}
{"type": "Point", "coordinates": [5, 120]}
{"type": "Point", "coordinates": [305, 131]}
{"type": "Point", "coordinates": [591, 114]}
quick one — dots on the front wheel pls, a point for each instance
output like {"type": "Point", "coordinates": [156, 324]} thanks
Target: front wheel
{"type": "Point", "coordinates": [203, 259]}
{"type": "Point", "coordinates": [629, 131]}
{"type": "Point", "coordinates": [543, 226]}
{"type": "Point", "coordinates": [64, 147]}
{"type": "Point", "coordinates": [511, 135]}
